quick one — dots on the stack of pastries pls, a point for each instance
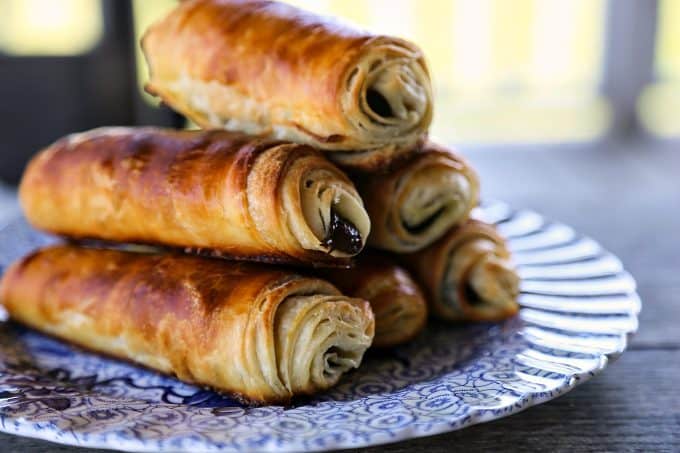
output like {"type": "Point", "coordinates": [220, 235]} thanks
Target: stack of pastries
{"type": "Point", "coordinates": [313, 146]}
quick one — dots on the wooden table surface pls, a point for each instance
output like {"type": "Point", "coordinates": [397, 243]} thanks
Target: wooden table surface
{"type": "Point", "coordinates": [627, 196]}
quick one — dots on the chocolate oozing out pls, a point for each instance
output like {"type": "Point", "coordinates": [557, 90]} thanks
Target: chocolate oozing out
{"type": "Point", "coordinates": [377, 102]}
{"type": "Point", "coordinates": [342, 235]}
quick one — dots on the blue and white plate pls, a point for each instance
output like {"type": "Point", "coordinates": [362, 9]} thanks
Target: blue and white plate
{"type": "Point", "coordinates": [578, 309]}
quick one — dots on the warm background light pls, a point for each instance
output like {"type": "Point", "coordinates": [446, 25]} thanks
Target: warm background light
{"type": "Point", "coordinates": [519, 71]}
{"type": "Point", "coordinates": [504, 71]}
{"type": "Point", "coordinates": [659, 103]}
{"type": "Point", "coordinates": [147, 12]}
{"type": "Point", "coordinates": [50, 27]}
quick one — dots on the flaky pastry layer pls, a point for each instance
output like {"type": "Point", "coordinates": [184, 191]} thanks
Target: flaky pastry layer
{"type": "Point", "coordinates": [397, 302]}
{"type": "Point", "coordinates": [272, 69]}
{"type": "Point", "coordinates": [468, 274]}
{"type": "Point", "coordinates": [257, 332]}
{"type": "Point", "coordinates": [233, 194]}
{"type": "Point", "coordinates": [413, 202]}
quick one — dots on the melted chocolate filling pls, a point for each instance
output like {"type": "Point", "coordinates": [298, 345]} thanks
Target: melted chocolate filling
{"type": "Point", "coordinates": [378, 103]}
{"type": "Point", "coordinates": [342, 235]}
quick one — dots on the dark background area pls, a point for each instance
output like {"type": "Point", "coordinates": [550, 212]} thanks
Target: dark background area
{"type": "Point", "coordinates": [46, 97]}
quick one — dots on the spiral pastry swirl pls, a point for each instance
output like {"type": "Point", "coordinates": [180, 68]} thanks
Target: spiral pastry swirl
{"type": "Point", "coordinates": [415, 201]}
{"type": "Point", "coordinates": [468, 274]}
{"type": "Point", "coordinates": [397, 302]}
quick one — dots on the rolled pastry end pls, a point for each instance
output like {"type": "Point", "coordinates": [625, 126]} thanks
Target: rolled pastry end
{"type": "Point", "coordinates": [433, 200]}
{"type": "Point", "coordinates": [418, 200]}
{"type": "Point", "coordinates": [317, 208]}
{"type": "Point", "coordinates": [398, 304]}
{"type": "Point", "coordinates": [480, 283]}
{"type": "Point", "coordinates": [494, 282]}
{"type": "Point", "coordinates": [388, 95]}
{"type": "Point", "coordinates": [319, 338]}
{"type": "Point", "coordinates": [334, 214]}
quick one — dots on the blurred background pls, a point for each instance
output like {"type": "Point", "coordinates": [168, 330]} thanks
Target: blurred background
{"type": "Point", "coordinates": [506, 73]}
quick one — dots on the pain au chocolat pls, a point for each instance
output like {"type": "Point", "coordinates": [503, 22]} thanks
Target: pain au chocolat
{"type": "Point", "coordinates": [225, 193]}
{"type": "Point", "coordinates": [260, 333]}
{"type": "Point", "coordinates": [269, 68]}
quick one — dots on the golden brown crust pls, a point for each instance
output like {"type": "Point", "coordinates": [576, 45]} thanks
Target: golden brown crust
{"type": "Point", "coordinates": [397, 302]}
{"type": "Point", "coordinates": [416, 199]}
{"type": "Point", "coordinates": [467, 274]}
{"type": "Point", "coordinates": [225, 193]}
{"type": "Point", "coordinates": [269, 68]}
{"type": "Point", "coordinates": [206, 321]}
{"type": "Point", "coordinates": [377, 160]}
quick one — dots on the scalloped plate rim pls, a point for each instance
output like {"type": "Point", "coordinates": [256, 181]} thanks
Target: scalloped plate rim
{"type": "Point", "coordinates": [475, 416]}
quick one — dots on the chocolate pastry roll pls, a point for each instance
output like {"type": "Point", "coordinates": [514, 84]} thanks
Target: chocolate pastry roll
{"type": "Point", "coordinates": [268, 68]}
{"type": "Point", "coordinates": [467, 274]}
{"type": "Point", "coordinates": [398, 304]}
{"type": "Point", "coordinates": [416, 200]}
{"type": "Point", "coordinates": [225, 193]}
{"type": "Point", "coordinates": [260, 333]}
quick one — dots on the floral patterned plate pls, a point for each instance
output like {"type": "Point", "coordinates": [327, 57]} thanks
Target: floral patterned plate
{"type": "Point", "coordinates": [578, 309]}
